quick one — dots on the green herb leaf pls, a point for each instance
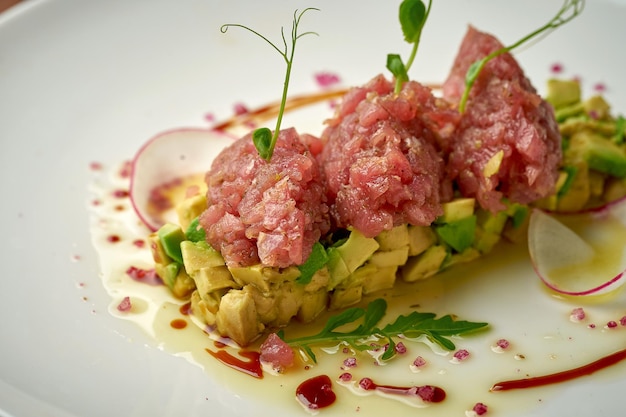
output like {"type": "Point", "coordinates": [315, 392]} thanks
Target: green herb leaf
{"type": "Point", "coordinates": [262, 141]}
{"type": "Point", "coordinates": [412, 15]}
{"type": "Point", "coordinates": [316, 261]}
{"type": "Point", "coordinates": [412, 18]}
{"type": "Point", "coordinates": [411, 326]}
{"type": "Point", "coordinates": [397, 68]}
{"type": "Point", "coordinates": [569, 10]}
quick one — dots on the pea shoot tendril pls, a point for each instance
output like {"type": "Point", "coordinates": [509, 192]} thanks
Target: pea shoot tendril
{"type": "Point", "coordinates": [263, 139]}
{"type": "Point", "coordinates": [569, 10]}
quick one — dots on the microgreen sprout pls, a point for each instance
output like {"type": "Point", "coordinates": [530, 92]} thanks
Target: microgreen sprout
{"type": "Point", "coordinates": [263, 139]}
{"type": "Point", "coordinates": [569, 10]}
{"type": "Point", "coordinates": [413, 15]}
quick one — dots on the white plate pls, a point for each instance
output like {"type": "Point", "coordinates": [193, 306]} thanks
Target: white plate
{"type": "Point", "coordinates": [91, 81]}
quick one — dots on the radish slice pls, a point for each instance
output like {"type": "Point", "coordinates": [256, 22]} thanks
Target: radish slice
{"type": "Point", "coordinates": [169, 157]}
{"type": "Point", "coordinates": [579, 255]}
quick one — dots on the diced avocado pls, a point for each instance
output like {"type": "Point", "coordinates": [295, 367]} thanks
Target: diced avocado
{"type": "Point", "coordinates": [486, 240]}
{"type": "Point", "coordinates": [562, 92]}
{"type": "Point", "coordinates": [565, 179]}
{"type": "Point", "coordinates": [336, 267]}
{"type": "Point", "coordinates": [183, 284]}
{"type": "Point", "coordinates": [597, 108]}
{"type": "Point", "coordinates": [209, 279]}
{"type": "Point", "coordinates": [263, 277]}
{"type": "Point", "coordinates": [395, 238]}
{"type": "Point", "coordinates": [320, 280]}
{"type": "Point", "coordinates": [424, 265]}
{"type": "Point", "coordinates": [596, 184]}
{"type": "Point", "coordinates": [564, 113]}
{"type": "Point", "coordinates": [382, 279]}
{"type": "Point", "coordinates": [615, 189]}
{"type": "Point", "coordinates": [171, 236]}
{"type": "Point", "coordinates": [199, 255]}
{"type": "Point", "coordinates": [237, 317]}
{"type": "Point", "coordinates": [344, 297]}
{"type": "Point", "coordinates": [313, 303]}
{"type": "Point", "coordinates": [168, 272]}
{"type": "Point", "coordinates": [390, 257]}
{"type": "Point", "coordinates": [600, 154]}
{"type": "Point", "coordinates": [457, 209]}
{"type": "Point", "coordinates": [572, 125]}
{"type": "Point", "coordinates": [288, 302]}
{"type": "Point", "coordinates": [578, 192]}
{"type": "Point", "coordinates": [467, 255]}
{"type": "Point", "coordinates": [190, 208]}
{"type": "Point", "coordinates": [357, 249]}
{"type": "Point", "coordinates": [156, 248]}
{"type": "Point", "coordinates": [420, 239]}
{"type": "Point", "coordinates": [459, 234]}
{"type": "Point", "coordinates": [194, 232]}
{"type": "Point", "coordinates": [491, 222]}
{"type": "Point", "coordinates": [518, 214]}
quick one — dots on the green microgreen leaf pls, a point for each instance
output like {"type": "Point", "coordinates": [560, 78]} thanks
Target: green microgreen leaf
{"type": "Point", "coordinates": [569, 10]}
{"type": "Point", "coordinates": [412, 15]}
{"type": "Point", "coordinates": [316, 261]}
{"type": "Point", "coordinates": [620, 130]}
{"type": "Point", "coordinates": [360, 337]}
{"type": "Point", "coordinates": [265, 143]}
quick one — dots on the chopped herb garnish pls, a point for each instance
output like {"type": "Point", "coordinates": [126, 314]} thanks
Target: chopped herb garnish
{"type": "Point", "coordinates": [413, 15]}
{"type": "Point", "coordinates": [569, 10]}
{"type": "Point", "coordinates": [360, 338]}
{"type": "Point", "coordinates": [263, 139]}
{"type": "Point", "coordinates": [316, 261]}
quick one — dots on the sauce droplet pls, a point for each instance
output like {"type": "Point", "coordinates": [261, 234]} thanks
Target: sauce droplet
{"type": "Point", "coordinates": [178, 324]}
{"type": "Point", "coordinates": [251, 367]}
{"type": "Point", "coordinates": [316, 392]}
{"type": "Point", "coordinates": [538, 381]}
{"type": "Point", "coordinates": [185, 309]}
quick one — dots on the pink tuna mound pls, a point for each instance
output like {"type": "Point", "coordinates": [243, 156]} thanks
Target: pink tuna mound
{"type": "Point", "coordinates": [507, 143]}
{"type": "Point", "coordinates": [382, 158]}
{"type": "Point", "coordinates": [264, 212]}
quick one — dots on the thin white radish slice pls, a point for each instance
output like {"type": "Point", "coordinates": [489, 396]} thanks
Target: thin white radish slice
{"type": "Point", "coordinates": [167, 158]}
{"type": "Point", "coordinates": [578, 255]}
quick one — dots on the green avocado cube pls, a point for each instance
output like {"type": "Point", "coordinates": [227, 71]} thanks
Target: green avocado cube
{"type": "Point", "coordinates": [198, 255]}
{"type": "Point", "coordinates": [458, 234]}
{"type": "Point", "coordinates": [171, 236]}
{"type": "Point", "coordinates": [601, 154]}
{"type": "Point", "coordinates": [357, 249]}
{"type": "Point", "coordinates": [457, 209]}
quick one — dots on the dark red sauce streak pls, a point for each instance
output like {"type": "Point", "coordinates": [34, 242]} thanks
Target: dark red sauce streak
{"type": "Point", "coordinates": [435, 394]}
{"type": "Point", "coordinates": [251, 367]}
{"type": "Point", "coordinates": [316, 392]}
{"type": "Point", "coordinates": [563, 376]}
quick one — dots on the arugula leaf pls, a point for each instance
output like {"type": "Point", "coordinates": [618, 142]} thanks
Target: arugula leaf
{"type": "Point", "coordinates": [410, 326]}
{"type": "Point", "coordinates": [569, 10]}
{"type": "Point", "coordinates": [316, 261]}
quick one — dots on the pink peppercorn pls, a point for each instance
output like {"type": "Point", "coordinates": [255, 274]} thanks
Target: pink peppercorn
{"type": "Point", "coordinates": [400, 348]}
{"type": "Point", "coordinates": [502, 343]}
{"type": "Point", "coordinates": [622, 321]}
{"type": "Point", "coordinates": [125, 305]}
{"type": "Point", "coordinates": [419, 361]}
{"type": "Point", "coordinates": [480, 409]}
{"type": "Point", "coordinates": [577, 314]}
{"type": "Point", "coordinates": [366, 383]}
{"type": "Point", "coordinates": [345, 377]}
{"type": "Point", "coordinates": [611, 324]}
{"type": "Point", "coordinates": [349, 362]}
{"type": "Point", "coordinates": [461, 354]}
{"type": "Point", "coordinates": [556, 68]}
